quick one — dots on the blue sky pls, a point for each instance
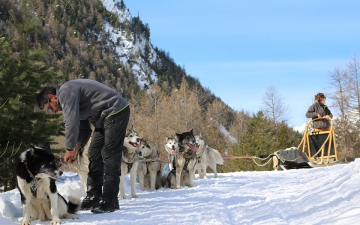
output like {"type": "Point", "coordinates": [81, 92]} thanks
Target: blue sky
{"type": "Point", "coordinates": [238, 48]}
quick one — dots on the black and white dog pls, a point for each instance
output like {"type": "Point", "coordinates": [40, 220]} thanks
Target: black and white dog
{"type": "Point", "coordinates": [183, 161]}
{"type": "Point", "coordinates": [36, 172]}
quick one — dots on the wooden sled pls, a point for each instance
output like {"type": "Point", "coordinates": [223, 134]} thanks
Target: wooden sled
{"type": "Point", "coordinates": [319, 145]}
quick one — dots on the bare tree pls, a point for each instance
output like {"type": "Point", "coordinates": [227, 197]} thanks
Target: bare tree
{"type": "Point", "coordinates": [273, 106]}
{"type": "Point", "coordinates": [217, 111]}
{"type": "Point", "coordinates": [238, 126]}
{"type": "Point", "coordinates": [354, 82]}
{"type": "Point", "coordinates": [339, 81]}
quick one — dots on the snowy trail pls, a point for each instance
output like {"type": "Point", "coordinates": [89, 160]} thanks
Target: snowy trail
{"type": "Point", "coordinates": [328, 195]}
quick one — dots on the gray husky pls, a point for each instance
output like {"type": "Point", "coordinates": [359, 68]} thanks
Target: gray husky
{"type": "Point", "coordinates": [129, 161]}
{"type": "Point", "coordinates": [206, 156]}
{"type": "Point", "coordinates": [184, 161]}
{"type": "Point", "coordinates": [149, 166]}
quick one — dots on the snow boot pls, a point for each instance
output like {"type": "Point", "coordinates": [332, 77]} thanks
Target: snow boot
{"type": "Point", "coordinates": [90, 201]}
{"type": "Point", "coordinates": [106, 207]}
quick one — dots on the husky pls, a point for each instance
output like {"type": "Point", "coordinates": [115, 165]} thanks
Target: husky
{"type": "Point", "coordinates": [81, 164]}
{"type": "Point", "coordinates": [129, 161]}
{"type": "Point", "coordinates": [206, 156]}
{"type": "Point", "coordinates": [171, 147]}
{"type": "Point", "coordinates": [184, 161]}
{"type": "Point", "coordinates": [36, 172]}
{"type": "Point", "coordinates": [149, 166]}
{"type": "Point", "coordinates": [169, 180]}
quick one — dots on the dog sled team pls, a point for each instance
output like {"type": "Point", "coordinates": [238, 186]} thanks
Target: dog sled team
{"type": "Point", "coordinates": [186, 155]}
{"type": "Point", "coordinates": [37, 171]}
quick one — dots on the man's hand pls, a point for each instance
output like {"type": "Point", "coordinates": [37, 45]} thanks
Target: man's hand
{"type": "Point", "coordinates": [70, 156]}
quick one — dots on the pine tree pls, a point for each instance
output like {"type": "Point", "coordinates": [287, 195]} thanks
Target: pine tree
{"type": "Point", "coordinates": [257, 140]}
{"type": "Point", "coordinates": [21, 76]}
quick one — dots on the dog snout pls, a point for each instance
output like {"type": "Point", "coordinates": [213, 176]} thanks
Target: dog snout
{"type": "Point", "coordinates": [59, 173]}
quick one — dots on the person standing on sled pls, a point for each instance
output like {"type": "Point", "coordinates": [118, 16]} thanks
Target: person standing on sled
{"type": "Point", "coordinates": [321, 111]}
{"type": "Point", "coordinates": [84, 102]}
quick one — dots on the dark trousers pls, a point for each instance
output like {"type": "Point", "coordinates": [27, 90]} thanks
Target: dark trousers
{"type": "Point", "coordinates": [105, 157]}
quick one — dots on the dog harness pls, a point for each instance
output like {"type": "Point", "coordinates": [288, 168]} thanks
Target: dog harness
{"type": "Point", "coordinates": [33, 187]}
{"type": "Point", "coordinates": [148, 160]}
{"type": "Point", "coordinates": [187, 159]}
{"type": "Point", "coordinates": [132, 156]}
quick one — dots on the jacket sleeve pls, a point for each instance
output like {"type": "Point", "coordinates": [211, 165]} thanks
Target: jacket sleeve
{"type": "Point", "coordinates": [84, 133]}
{"type": "Point", "coordinates": [328, 112]}
{"type": "Point", "coordinates": [70, 106]}
{"type": "Point", "coordinates": [311, 113]}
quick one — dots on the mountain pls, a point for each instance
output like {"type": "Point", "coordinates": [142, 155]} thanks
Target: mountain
{"type": "Point", "coordinates": [97, 40]}
{"type": "Point", "coordinates": [101, 40]}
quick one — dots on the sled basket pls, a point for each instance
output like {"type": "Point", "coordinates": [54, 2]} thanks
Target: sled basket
{"type": "Point", "coordinates": [293, 159]}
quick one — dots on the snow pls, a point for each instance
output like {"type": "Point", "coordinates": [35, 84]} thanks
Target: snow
{"type": "Point", "coordinates": [300, 129]}
{"type": "Point", "coordinates": [326, 195]}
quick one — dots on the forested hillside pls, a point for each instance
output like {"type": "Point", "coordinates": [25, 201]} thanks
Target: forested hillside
{"type": "Point", "coordinates": [46, 42]}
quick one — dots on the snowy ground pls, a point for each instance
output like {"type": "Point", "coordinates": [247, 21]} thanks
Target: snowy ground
{"type": "Point", "coordinates": [327, 195]}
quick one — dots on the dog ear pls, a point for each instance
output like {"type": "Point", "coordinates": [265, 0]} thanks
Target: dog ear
{"type": "Point", "coordinates": [167, 139]}
{"type": "Point", "coordinates": [191, 131]}
{"type": "Point", "coordinates": [176, 137]}
{"type": "Point", "coordinates": [32, 150]}
{"type": "Point", "coordinates": [200, 135]}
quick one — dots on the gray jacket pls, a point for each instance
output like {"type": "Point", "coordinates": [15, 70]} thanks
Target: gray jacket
{"type": "Point", "coordinates": [85, 101]}
{"type": "Point", "coordinates": [323, 110]}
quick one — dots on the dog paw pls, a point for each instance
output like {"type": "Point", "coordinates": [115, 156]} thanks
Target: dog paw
{"type": "Point", "coordinates": [134, 196]}
{"type": "Point", "coordinates": [71, 216]}
{"type": "Point", "coordinates": [55, 222]}
{"type": "Point", "coordinates": [25, 223]}
{"type": "Point", "coordinates": [122, 196]}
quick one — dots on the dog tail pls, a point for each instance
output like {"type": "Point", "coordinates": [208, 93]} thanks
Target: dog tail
{"type": "Point", "coordinates": [73, 204]}
{"type": "Point", "coordinates": [218, 158]}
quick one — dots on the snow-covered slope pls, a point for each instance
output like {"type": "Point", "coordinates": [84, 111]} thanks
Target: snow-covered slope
{"type": "Point", "coordinates": [328, 195]}
{"type": "Point", "coordinates": [126, 47]}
